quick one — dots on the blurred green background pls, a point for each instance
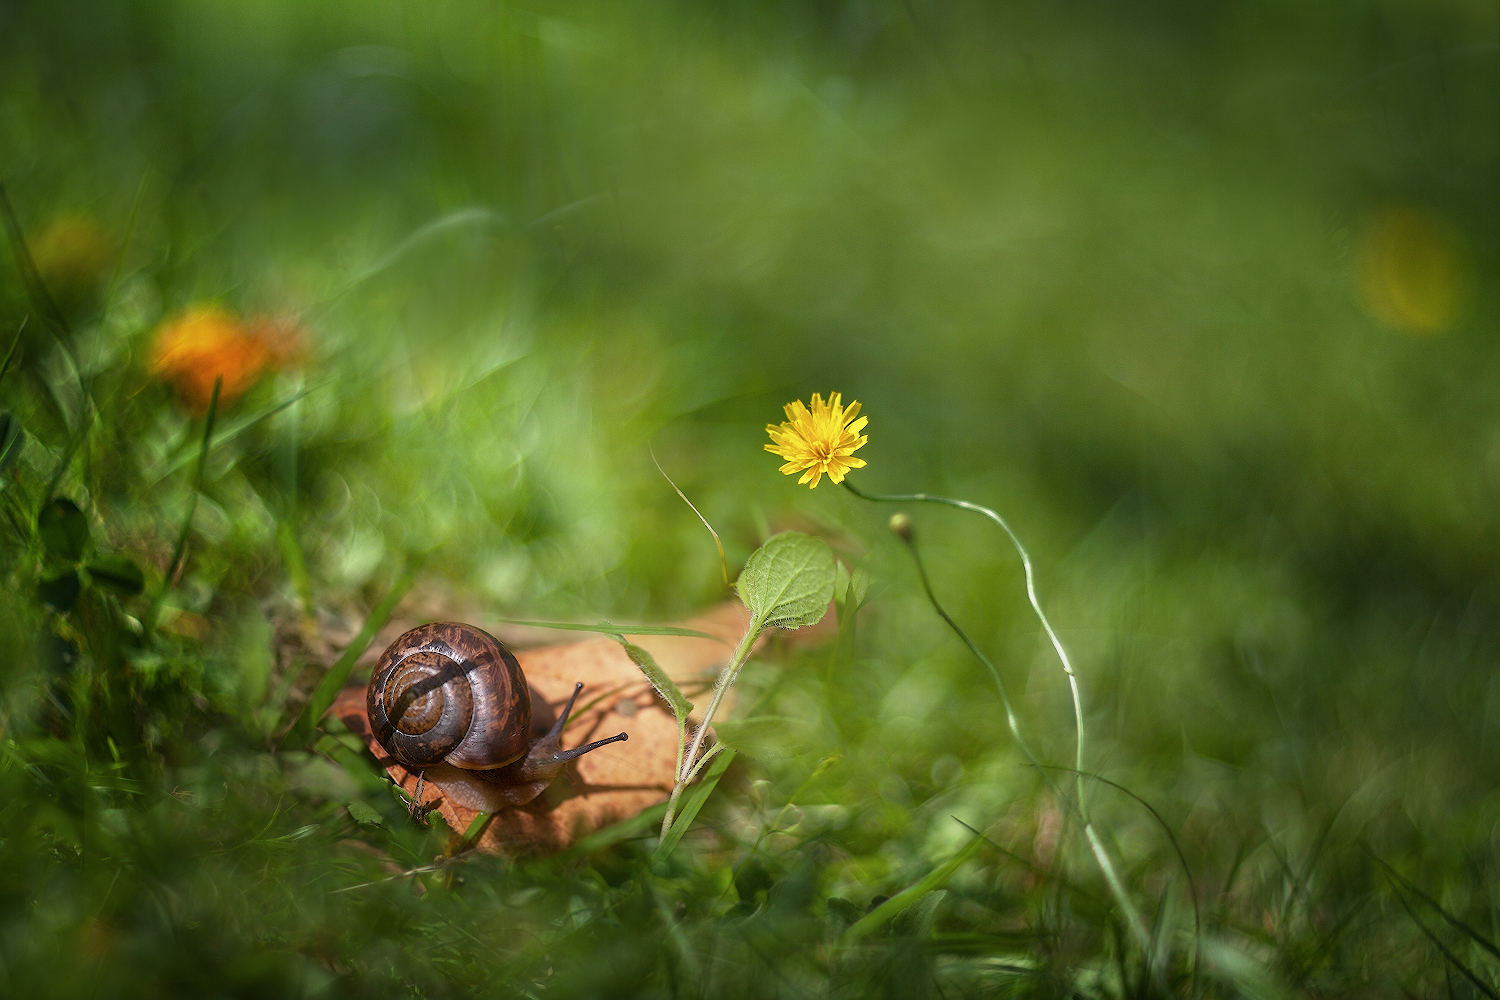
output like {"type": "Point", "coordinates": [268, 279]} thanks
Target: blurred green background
{"type": "Point", "coordinates": [1201, 297]}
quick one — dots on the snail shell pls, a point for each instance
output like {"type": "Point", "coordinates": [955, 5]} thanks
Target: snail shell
{"type": "Point", "coordinates": [448, 692]}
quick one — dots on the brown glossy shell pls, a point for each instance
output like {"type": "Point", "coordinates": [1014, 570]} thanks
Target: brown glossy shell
{"type": "Point", "coordinates": [448, 692]}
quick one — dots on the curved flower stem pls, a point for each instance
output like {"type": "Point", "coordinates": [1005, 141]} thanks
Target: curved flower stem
{"type": "Point", "coordinates": [1036, 607]}
{"type": "Point", "coordinates": [1096, 846]}
{"type": "Point", "coordinates": [1010, 712]}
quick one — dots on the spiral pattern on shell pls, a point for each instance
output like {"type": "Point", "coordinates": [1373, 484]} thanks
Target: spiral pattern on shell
{"type": "Point", "coordinates": [448, 692]}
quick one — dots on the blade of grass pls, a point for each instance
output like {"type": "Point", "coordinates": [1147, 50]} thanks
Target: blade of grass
{"type": "Point", "coordinates": [1447, 953]}
{"type": "Point", "coordinates": [119, 268]}
{"type": "Point", "coordinates": [56, 323]}
{"type": "Point", "coordinates": [691, 803]}
{"type": "Point", "coordinates": [235, 430]}
{"type": "Point", "coordinates": [891, 908]}
{"type": "Point", "coordinates": [51, 315]}
{"type": "Point", "coordinates": [723, 562]}
{"type": "Point", "coordinates": [296, 566]}
{"type": "Point", "coordinates": [605, 628]}
{"type": "Point", "coordinates": [471, 215]}
{"type": "Point", "coordinates": [52, 318]}
{"type": "Point", "coordinates": [1181, 859]}
{"type": "Point", "coordinates": [180, 549]}
{"type": "Point", "coordinates": [15, 342]}
{"type": "Point", "coordinates": [109, 301]}
{"type": "Point", "coordinates": [333, 681]}
{"type": "Point", "coordinates": [639, 825]}
{"type": "Point", "coordinates": [474, 832]}
{"type": "Point", "coordinates": [1453, 921]}
{"type": "Point", "coordinates": [1045, 874]}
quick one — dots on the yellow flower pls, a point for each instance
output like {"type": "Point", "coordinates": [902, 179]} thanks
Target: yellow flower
{"type": "Point", "coordinates": [1413, 271]}
{"type": "Point", "coordinates": [72, 253]}
{"type": "Point", "coordinates": [820, 442]}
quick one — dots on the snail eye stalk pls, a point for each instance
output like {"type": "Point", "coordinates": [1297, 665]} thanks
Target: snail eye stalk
{"type": "Point", "coordinates": [554, 738]}
{"type": "Point", "coordinates": [576, 752]}
{"type": "Point", "coordinates": [562, 719]}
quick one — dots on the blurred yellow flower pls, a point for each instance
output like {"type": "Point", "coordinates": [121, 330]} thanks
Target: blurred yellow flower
{"type": "Point", "coordinates": [206, 343]}
{"type": "Point", "coordinates": [71, 253]}
{"type": "Point", "coordinates": [821, 441]}
{"type": "Point", "coordinates": [1412, 270]}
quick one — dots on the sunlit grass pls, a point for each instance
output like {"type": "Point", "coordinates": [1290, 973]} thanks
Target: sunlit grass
{"type": "Point", "coordinates": [1143, 281]}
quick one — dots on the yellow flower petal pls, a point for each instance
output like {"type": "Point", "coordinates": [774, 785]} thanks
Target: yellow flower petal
{"type": "Point", "coordinates": [819, 439]}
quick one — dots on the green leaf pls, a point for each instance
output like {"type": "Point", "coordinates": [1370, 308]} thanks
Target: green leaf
{"type": "Point", "coordinates": [767, 737]}
{"type": "Point", "coordinates": [788, 581]}
{"type": "Point", "coordinates": [64, 529]}
{"type": "Point", "coordinates": [12, 440]}
{"type": "Point", "coordinates": [691, 803]}
{"type": "Point", "coordinates": [118, 574]}
{"type": "Point", "coordinates": [658, 678]}
{"type": "Point", "coordinates": [365, 815]}
{"type": "Point", "coordinates": [851, 591]}
{"type": "Point", "coordinates": [605, 628]}
{"type": "Point", "coordinates": [60, 592]}
{"type": "Point", "coordinates": [849, 598]}
{"type": "Point", "coordinates": [935, 879]}
{"type": "Point", "coordinates": [841, 909]}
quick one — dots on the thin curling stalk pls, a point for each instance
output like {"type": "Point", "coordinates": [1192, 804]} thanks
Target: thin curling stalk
{"type": "Point", "coordinates": [901, 525]}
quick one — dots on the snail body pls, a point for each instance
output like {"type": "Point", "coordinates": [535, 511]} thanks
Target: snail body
{"type": "Point", "coordinates": [452, 694]}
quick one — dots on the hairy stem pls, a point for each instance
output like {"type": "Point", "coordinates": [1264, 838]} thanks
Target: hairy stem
{"type": "Point", "coordinates": [685, 768]}
{"type": "Point", "coordinates": [681, 746]}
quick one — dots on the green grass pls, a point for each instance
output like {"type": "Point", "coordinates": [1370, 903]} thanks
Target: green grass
{"type": "Point", "coordinates": [1103, 268]}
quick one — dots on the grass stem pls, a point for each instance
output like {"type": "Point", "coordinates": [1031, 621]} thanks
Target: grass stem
{"type": "Point", "coordinates": [179, 551]}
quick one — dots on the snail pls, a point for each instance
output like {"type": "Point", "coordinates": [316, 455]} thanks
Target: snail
{"type": "Point", "coordinates": [452, 694]}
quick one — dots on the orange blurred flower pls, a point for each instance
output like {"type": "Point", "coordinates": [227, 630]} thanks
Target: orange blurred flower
{"type": "Point", "coordinates": [281, 336]}
{"type": "Point", "coordinates": [206, 343]}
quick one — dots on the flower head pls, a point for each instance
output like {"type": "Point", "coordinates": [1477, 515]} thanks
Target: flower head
{"type": "Point", "coordinates": [206, 343]}
{"type": "Point", "coordinates": [820, 441]}
{"type": "Point", "coordinates": [1413, 271]}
